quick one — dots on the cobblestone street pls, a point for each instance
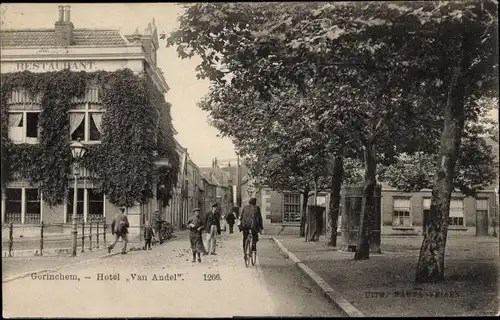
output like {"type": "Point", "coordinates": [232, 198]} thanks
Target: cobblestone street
{"type": "Point", "coordinates": [164, 282]}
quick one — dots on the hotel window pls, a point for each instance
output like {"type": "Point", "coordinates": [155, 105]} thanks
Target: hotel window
{"type": "Point", "coordinates": [96, 205]}
{"type": "Point", "coordinates": [89, 205]}
{"type": "Point", "coordinates": [401, 212]}
{"type": "Point", "coordinates": [85, 123]}
{"type": "Point", "coordinates": [79, 205]}
{"type": "Point", "coordinates": [456, 213]}
{"type": "Point", "coordinates": [33, 206]}
{"type": "Point", "coordinates": [13, 205]}
{"type": "Point", "coordinates": [23, 127]}
{"type": "Point", "coordinates": [23, 205]}
{"type": "Point", "coordinates": [291, 207]}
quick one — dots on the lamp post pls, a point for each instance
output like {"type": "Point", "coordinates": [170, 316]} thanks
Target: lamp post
{"type": "Point", "coordinates": [77, 150]}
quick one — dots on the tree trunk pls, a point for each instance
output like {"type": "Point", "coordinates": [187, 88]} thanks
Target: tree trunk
{"type": "Point", "coordinates": [368, 206]}
{"type": "Point", "coordinates": [334, 209]}
{"type": "Point", "coordinates": [430, 267]}
{"type": "Point", "coordinates": [305, 195]}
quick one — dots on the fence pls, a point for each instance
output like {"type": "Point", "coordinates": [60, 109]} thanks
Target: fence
{"type": "Point", "coordinates": [93, 234]}
{"type": "Point", "coordinates": [90, 235]}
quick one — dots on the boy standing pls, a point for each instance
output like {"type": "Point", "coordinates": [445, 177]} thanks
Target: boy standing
{"type": "Point", "coordinates": [195, 225]}
{"type": "Point", "coordinates": [148, 236]}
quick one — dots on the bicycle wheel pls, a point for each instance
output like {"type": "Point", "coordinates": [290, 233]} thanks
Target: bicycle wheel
{"type": "Point", "coordinates": [247, 252]}
{"type": "Point", "coordinates": [250, 251]}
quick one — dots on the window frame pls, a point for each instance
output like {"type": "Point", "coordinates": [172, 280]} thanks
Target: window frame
{"type": "Point", "coordinates": [402, 209]}
{"type": "Point", "coordinates": [24, 120]}
{"type": "Point", "coordinates": [86, 205]}
{"type": "Point", "coordinates": [289, 204]}
{"type": "Point", "coordinates": [87, 111]}
{"type": "Point", "coordinates": [450, 219]}
{"type": "Point", "coordinates": [24, 205]}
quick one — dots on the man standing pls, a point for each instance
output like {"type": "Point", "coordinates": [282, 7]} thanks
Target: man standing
{"type": "Point", "coordinates": [251, 221]}
{"type": "Point", "coordinates": [119, 228]}
{"type": "Point", "coordinates": [230, 221]}
{"type": "Point", "coordinates": [212, 228]}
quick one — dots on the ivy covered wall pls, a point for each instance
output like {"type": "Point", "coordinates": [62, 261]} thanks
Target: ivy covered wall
{"type": "Point", "coordinates": [136, 123]}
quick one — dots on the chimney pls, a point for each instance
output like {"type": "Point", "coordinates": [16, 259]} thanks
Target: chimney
{"type": "Point", "coordinates": [67, 12]}
{"type": "Point", "coordinates": [61, 13]}
{"type": "Point", "coordinates": [64, 28]}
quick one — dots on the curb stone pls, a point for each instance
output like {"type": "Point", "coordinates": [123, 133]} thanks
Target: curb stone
{"type": "Point", "coordinates": [330, 293]}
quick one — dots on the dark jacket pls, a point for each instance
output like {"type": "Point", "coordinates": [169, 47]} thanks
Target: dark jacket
{"type": "Point", "coordinates": [252, 212]}
{"type": "Point", "coordinates": [212, 218]}
{"type": "Point", "coordinates": [197, 222]}
{"type": "Point", "coordinates": [230, 218]}
{"type": "Point", "coordinates": [120, 224]}
{"type": "Point", "coordinates": [156, 221]}
{"type": "Point", "coordinates": [148, 233]}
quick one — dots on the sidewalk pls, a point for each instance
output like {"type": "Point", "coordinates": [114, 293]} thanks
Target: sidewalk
{"type": "Point", "coordinates": [384, 285]}
{"type": "Point", "coordinates": [55, 245]}
{"type": "Point", "coordinates": [17, 265]}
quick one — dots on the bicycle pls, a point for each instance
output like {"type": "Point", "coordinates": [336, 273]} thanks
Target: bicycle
{"type": "Point", "coordinates": [249, 256]}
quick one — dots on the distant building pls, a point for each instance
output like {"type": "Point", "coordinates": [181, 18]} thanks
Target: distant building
{"type": "Point", "coordinates": [224, 190]}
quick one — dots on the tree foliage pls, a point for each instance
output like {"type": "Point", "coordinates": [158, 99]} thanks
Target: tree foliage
{"type": "Point", "coordinates": [400, 76]}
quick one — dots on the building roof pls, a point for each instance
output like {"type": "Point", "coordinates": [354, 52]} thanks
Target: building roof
{"type": "Point", "coordinates": [218, 176]}
{"type": "Point", "coordinates": [46, 38]}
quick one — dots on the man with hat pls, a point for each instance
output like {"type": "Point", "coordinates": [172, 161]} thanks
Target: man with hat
{"type": "Point", "coordinates": [119, 228]}
{"type": "Point", "coordinates": [212, 227]}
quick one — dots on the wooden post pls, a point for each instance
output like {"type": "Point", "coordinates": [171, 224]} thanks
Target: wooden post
{"type": "Point", "coordinates": [41, 238]}
{"type": "Point", "coordinates": [90, 236]}
{"type": "Point", "coordinates": [83, 236]}
{"type": "Point", "coordinates": [105, 230]}
{"type": "Point", "coordinates": [11, 238]}
{"type": "Point", "coordinates": [97, 234]}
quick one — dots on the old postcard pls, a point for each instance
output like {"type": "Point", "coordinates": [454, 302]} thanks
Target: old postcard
{"type": "Point", "coordinates": [314, 159]}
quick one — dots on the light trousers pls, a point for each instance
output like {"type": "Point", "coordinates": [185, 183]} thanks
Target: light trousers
{"type": "Point", "coordinates": [211, 241]}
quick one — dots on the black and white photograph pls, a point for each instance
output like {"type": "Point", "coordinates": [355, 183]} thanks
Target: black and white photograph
{"type": "Point", "coordinates": [250, 159]}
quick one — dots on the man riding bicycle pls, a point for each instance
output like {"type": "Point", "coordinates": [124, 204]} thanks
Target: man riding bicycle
{"type": "Point", "coordinates": [251, 220]}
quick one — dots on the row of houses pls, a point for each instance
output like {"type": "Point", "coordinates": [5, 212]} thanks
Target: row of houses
{"type": "Point", "coordinates": [197, 187]}
{"type": "Point", "coordinates": [401, 213]}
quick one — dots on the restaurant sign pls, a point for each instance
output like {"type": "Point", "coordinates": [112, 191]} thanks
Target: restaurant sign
{"type": "Point", "coordinates": [56, 65]}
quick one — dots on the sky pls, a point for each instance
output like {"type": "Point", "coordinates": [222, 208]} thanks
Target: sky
{"type": "Point", "coordinates": [194, 132]}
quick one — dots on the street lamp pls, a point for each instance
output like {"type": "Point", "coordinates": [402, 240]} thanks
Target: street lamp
{"type": "Point", "coordinates": [77, 150]}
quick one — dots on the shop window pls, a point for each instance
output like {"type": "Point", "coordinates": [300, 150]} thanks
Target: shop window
{"type": "Point", "coordinates": [401, 216]}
